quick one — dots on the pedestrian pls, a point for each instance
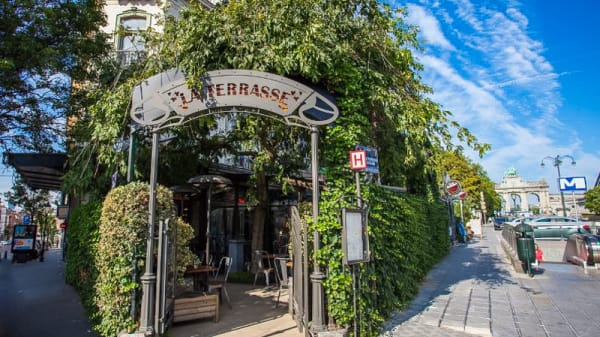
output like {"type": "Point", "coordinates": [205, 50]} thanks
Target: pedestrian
{"type": "Point", "coordinates": [539, 256]}
{"type": "Point", "coordinates": [462, 233]}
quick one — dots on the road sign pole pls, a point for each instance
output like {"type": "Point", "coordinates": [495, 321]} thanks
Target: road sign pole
{"type": "Point", "coordinates": [575, 206]}
{"type": "Point", "coordinates": [358, 196]}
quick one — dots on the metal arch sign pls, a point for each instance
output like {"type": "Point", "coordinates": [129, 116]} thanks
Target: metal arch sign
{"type": "Point", "coordinates": [165, 98]}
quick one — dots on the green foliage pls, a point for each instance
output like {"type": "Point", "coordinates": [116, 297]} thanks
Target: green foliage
{"type": "Point", "coordinates": [185, 257]}
{"type": "Point", "coordinates": [82, 236]}
{"type": "Point", "coordinates": [592, 200]}
{"type": "Point", "coordinates": [120, 251]}
{"type": "Point", "coordinates": [32, 201]}
{"type": "Point", "coordinates": [241, 277]}
{"type": "Point", "coordinates": [473, 180]}
{"type": "Point", "coordinates": [44, 46]}
{"type": "Point", "coordinates": [407, 236]}
{"type": "Point", "coordinates": [357, 50]}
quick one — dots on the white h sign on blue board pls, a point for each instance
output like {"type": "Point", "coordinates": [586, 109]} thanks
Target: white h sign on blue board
{"type": "Point", "coordinates": [572, 184]}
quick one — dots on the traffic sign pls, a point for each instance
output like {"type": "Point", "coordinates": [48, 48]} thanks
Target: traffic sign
{"type": "Point", "coordinates": [358, 160]}
{"type": "Point", "coordinates": [26, 219]}
{"type": "Point", "coordinates": [572, 184]}
{"type": "Point", "coordinates": [453, 187]}
{"type": "Point", "coordinates": [372, 159]}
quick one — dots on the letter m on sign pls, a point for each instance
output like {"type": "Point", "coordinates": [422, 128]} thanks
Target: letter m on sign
{"type": "Point", "coordinates": [358, 160]}
{"type": "Point", "coordinates": [573, 184]}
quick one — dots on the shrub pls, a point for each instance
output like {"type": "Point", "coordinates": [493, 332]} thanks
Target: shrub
{"type": "Point", "coordinates": [121, 251]}
{"type": "Point", "coordinates": [81, 238]}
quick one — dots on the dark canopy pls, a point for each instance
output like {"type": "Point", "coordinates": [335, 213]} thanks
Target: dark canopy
{"type": "Point", "coordinates": [39, 170]}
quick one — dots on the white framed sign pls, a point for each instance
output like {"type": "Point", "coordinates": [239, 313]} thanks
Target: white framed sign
{"type": "Point", "coordinates": [355, 239]}
{"type": "Point", "coordinates": [572, 184]}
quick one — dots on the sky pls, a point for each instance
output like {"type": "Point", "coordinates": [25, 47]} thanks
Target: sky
{"type": "Point", "coordinates": [522, 76]}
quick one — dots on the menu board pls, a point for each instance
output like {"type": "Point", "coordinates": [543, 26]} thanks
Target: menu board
{"type": "Point", "coordinates": [355, 241]}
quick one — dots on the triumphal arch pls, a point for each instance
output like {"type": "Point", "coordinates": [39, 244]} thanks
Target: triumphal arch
{"type": "Point", "coordinates": [514, 191]}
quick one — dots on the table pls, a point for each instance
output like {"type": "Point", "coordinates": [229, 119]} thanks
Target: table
{"type": "Point", "coordinates": [272, 258]}
{"type": "Point", "coordinates": [200, 276]}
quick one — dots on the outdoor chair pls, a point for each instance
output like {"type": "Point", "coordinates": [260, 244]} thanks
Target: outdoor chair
{"type": "Point", "coordinates": [260, 257]}
{"type": "Point", "coordinates": [220, 280]}
{"type": "Point", "coordinates": [281, 270]}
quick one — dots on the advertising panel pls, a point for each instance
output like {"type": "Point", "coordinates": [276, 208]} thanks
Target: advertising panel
{"type": "Point", "coordinates": [24, 238]}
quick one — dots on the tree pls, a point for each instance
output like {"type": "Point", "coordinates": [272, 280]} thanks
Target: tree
{"type": "Point", "coordinates": [474, 181]}
{"type": "Point", "coordinates": [592, 200]}
{"type": "Point", "coordinates": [357, 51]}
{"type": "Point", "coordinates": [36, 203]}
{"type": "Point", "coordinates": [45, 46]}
{"type": "Point", "coordinates": [31, 201]}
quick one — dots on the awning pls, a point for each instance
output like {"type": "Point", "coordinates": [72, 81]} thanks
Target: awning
{"type": "Point", "coordinates": [39, 170]}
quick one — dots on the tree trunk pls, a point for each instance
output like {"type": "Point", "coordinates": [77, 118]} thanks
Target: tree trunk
{"type": "Point", "coordinates": [260, 212]}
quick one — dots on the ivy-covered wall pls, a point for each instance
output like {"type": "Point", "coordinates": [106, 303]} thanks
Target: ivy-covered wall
{"type": "Point", "coordinates": [82, 235]}
{"type": "Point", "coordinates": [407, 236]}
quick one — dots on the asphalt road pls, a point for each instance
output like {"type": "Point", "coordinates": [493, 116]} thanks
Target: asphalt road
{"type": "Point", "coordinates": [36, 301]}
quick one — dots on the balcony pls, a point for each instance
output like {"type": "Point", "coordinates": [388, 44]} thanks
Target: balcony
{"type": "Point", "coordinates": [128, 57]}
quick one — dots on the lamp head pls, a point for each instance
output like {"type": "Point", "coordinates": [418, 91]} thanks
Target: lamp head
{"type": "Point", "coordinates": [543, 164]}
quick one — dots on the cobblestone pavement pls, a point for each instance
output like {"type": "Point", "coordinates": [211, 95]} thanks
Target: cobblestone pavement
{"type": "Point", "coordinates": [475, 292]}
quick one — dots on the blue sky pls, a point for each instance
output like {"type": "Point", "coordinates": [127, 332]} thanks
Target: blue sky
{"type": "Point", "coordinates": [521, 75]}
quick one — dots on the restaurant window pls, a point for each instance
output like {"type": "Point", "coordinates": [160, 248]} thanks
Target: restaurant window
{"type": "Point", "coordinates": [130, 42]}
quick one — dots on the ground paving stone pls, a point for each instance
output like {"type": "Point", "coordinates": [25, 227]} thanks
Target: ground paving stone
{"type": "Point", "coordinates": [479, 294]}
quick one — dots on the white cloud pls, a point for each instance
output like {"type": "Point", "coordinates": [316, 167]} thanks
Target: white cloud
{"type": "Point", "coordinates": [430, 27]}
{"type": "Point", "coordinates": [497, 83]}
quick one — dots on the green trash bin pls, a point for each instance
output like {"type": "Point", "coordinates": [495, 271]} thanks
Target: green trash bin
{"type": "Point", "coordinates": [525, 246]}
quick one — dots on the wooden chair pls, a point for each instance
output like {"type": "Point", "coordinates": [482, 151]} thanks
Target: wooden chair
{"type": "Point", "coordinates": [260, 257]}
{"type": "Point", "coordinates": [220, 280]}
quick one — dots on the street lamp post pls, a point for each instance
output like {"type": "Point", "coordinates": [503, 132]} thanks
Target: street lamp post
{"type": "Point", "coordinates": [556, 161]}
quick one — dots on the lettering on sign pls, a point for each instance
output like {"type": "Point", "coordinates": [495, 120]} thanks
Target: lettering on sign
{"type": "Point", "coordinates": [167, 97]}
{"type": "Point", "coordinates": [372, 159]}
{"type": "Point", "coordinates": [358, 160]}
{"type": "Point", "coordinates": [572, 184]}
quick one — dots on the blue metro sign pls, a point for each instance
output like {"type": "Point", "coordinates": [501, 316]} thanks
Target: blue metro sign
{"type": "Point", "coordinates": [572, 184]}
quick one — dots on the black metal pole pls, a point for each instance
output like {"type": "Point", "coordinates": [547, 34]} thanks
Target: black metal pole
{"type": "Point", "coordinates": [562, 195]}
{"type": "Point", "coordinates": [317, 276]}
{"type": "Point", "coordinates": [149, 278]}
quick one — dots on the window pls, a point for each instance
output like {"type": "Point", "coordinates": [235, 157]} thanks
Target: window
{"type": "Point", "coordinates": [130, 43]}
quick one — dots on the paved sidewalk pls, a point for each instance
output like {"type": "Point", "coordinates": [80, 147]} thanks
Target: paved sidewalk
{"type": "Point", "coordinates": [474, 291]}
{"type": "Point", "coordinates": [253, 314]}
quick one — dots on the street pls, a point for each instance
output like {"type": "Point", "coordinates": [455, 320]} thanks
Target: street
{"type": "Point", "coordinates": [36, 301]}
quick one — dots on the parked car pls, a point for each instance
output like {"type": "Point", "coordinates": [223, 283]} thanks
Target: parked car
{"type": "Point", "coordinates": [499, 222]}
{"type": "Point", "coordinates": [518, 221]}
{"type": "Point", "coordinates": [556, 227]}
